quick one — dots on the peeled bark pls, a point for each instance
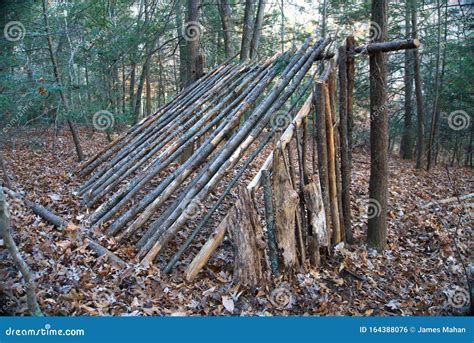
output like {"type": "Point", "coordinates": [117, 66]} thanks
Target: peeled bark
{"type": "Point", "coordinates": [332, 177]}
{"type": "Point", "coordinates": [286, 204]}
{"type": "Point", "coordinates": [350, 41]}
{"type": "Point", "coordinates": [319, 103]}
{"type": "Point", "coordinates": [247, 236]}
{"type": "Point", "coordinates": [320, 236]}
{"type": "Point", "coordinates": [216, 238]}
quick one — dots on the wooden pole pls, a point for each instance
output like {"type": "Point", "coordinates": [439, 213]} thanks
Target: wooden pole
{"type": "Point", "coordinates": [333, 202]}
{"type": "Point", "coordinates": [30, 285]}
{"type": "Point", "coordinates": [320, 115]}
{"type": "Point", "coordinates": [270, 220]}
{"type": "Point", "coordinates": [344, 145]}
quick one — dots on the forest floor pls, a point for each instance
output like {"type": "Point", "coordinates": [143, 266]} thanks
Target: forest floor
{"type": "Point", "coordinates": [422, 272]}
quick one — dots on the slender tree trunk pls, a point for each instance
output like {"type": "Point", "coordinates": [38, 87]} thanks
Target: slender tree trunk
{"type": "Point", "coordinates": [434, 112]}
{"type": "Point", "coordinates": [148, 90]}
{"type": "Point", "coordinates": [138, 96]}
{"type": "Point", "coordinates": [124, 89]}
{"type": "Point", "coordinates": [6, 177]}
{"type": "Point", "coordinates": [227, 26]}
{"type": "Point", "coordinates": [420, 143]}
{"type": "Point", "coordinates": [406, 146]}
{"type": "Point", "coordinates": [377, 225]}
{"type": "Point", "coordinates": [131, 97]}
{"type": "Point", "coordinates": [282, 29]}
{"type": "Point", "coordinates": [57, 76]}
{"type": "Point", "coordinates": [183, 52]}
{"type": "Point", "coordinates": [344, 143]}
{"type": "Point", "coordinates": [247, 32]}
{"type": "Point", "coordinates": [324, 19]}
{"type": "Point", "coordinates": [257, 29]}
{"type": "Point", "coordinates": [195, 62]}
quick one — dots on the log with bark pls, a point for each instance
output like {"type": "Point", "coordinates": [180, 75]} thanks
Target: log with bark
{"type": "Point", "coordinates": [61, 224]}
{"type": "Point", "coordinates": [344, 142]}
{"type": "Point", "coordinates": [30, 286]}
{"type": "Point", "coordinates": [226, 159]}
{"type": "Point", "coordinates": [218, 234]}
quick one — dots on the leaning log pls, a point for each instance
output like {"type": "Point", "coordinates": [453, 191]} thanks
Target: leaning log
{"type": "Point", "coordinates": [233, 151]}
{"type": "Point", "coordinates": [209, 247]}
{"type": "Point", "coordinates": [30, 286]}
{"type": "Point", "coordinates": [218, 234]}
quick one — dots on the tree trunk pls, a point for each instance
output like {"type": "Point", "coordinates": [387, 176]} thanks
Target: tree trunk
{"type": "Point", "coordinates": [6, 177]}
{"type": "Point", "coordinates": [257, 29]}
{"type": "Point", "coordinates": [350, 95]}
{"type": "Point", "coordinates": [406, 145]}
{"type": "Point", "coordinates": [420, 115]}
{"type": "Point", "coordinates": [377, 225]}
{"type": "Point", "coordinates": [227, 26]}
{"type": "Point", "coordinates": [324, 18]}
{"type": "Point", "coordinates": [183, 51]}
{"type": "Point", "coordinates": [344, 143]}
{"type": "Point", "coordinates": [57, 77]}
{"type": "Point", "coordinates": [195, 67]}
{"type": "Point", "coordinates": [131, 96]}
{"type": "Point", "coordinates": [435, 112]}
{"type": "Point", "coordinates": [247, 32]}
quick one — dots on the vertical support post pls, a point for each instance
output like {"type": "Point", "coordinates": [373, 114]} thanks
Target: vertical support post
{"type": "Point", "coordinates": [321, 146]}
{"type": "Point", "coordinates": [344, 146]}
{"type": "Point", "coordinates": [331, 168]}
{"type": "Point", "coordinates": [270, 220]}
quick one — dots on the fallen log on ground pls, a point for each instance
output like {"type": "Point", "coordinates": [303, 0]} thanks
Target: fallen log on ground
{"type": "Point", "coordinates": [448, 200]}
{"type": "Point", "coordinates": [41, 211]}
{"type": "Point", "coordinates": [61, 223]}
